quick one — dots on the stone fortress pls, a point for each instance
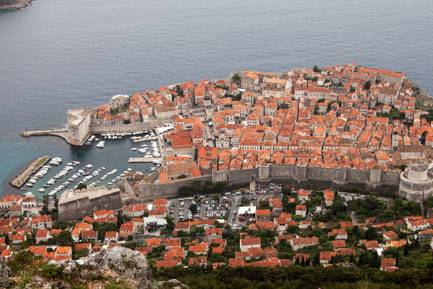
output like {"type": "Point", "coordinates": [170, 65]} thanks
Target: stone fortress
{"type": "Point", "coordinates": [416, 181]}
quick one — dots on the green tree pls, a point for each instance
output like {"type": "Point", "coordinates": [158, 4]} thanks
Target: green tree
{"type": "Point", "coordinates": [236, 78]}
{"type": "Point", "coordinates": [193, 209]}
{"type": "Point", "coordinates": [371, 234]}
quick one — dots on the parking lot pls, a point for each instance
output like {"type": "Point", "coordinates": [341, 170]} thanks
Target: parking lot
{"type": "Point", "coordinates": [221, 206]}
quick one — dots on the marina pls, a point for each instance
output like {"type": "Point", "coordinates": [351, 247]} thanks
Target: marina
{"type": "Point", "coordinates": [53, 178]}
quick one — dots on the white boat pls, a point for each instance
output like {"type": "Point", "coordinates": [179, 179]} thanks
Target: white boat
{"type": "Point", "coordinates": [41, 190]}
{"type": "Point", "coordinates": [100, 144]}
{"type": "Point", "coordinates": [89, 166]}
{"type": "Point", "coordinates": [133, 149]}
{"type": "Point", "coordinates": [56, 161]}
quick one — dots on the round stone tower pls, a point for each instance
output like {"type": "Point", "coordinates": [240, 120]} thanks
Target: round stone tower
{"type": "Point", "coordinates": [416, 181]}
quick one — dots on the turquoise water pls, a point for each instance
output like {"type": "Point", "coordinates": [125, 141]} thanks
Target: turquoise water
{"type": "Point", "coordinates": [59, 54]}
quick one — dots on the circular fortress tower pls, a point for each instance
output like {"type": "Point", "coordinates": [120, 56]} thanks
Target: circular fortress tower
{"type": "Point", "coordinates": [416, 181]}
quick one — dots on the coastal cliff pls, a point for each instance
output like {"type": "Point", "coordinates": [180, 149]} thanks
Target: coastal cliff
{"type": "Point", "coordinates": [14, 4]}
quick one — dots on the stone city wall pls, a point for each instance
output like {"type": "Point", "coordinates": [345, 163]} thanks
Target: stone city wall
{"type": "Point", "coordinates": [126, 128]}
{"type": "Point", "coordinates": [143, 192]}
{"type": "Point", "coordinates": [335, 178]}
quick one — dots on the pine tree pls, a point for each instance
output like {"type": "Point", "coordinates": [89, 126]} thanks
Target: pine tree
{"type": "Point", "coordinates": [352, 259]}
{"type": "Point", "coordinates": [316, 259]}
{"type": "Point", "coordinates": [406, 250]}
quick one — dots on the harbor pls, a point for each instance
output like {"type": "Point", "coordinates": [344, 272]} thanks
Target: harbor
{"type": "Point", "coordinates": [103, 160]}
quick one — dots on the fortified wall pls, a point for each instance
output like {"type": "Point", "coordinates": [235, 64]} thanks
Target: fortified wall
{"type": "Point", "coordinates": [335, 178]}
{"type": "Point", "coordinates": [76, 204]}
{"type": "Point", "coordinates": [143, 192]}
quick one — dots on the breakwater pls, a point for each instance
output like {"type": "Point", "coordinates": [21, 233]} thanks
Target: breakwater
{"type": "Point", "coordinates": [28, 171]}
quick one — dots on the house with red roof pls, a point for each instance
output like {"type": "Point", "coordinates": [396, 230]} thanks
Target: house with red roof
{"type": "Point", "coordinates": [199, 249]}
{"type": "Point", "coordinates": [42, 222]}
{"type": "Point", "coordinates": [89, 235]}
{"type": "Point", "coordinates": [83, 247]}
{"type": "Point", "coordinates": [325, 257]}
{"type": "Point", "coordinates": [199, 261]}
{"type": "Point", "coordinates": [134, 210]}
{"type": "Point", "coordinates": [301, 242]}
{"type": "Point", "coordinates": [212, 233]}
{"type": "Point", "coordinates": [263, 215]}
{"type": "Point", "coordinates": [301, 211]}
{"type": "Point", "coordinates": [329, 197]}
{"type": "Point", "coordinates": [105, 216]}
{"type": "Point", "coordinates": [6, 254]}
{"type": "Point", "coordinates": [303, 195]}
{"type": "Point", "coordinates": [248, 242]}
{"type": "Point", "coordinates": [42, 235]}
{"type": "Point", "coordinates": [169, 263]}
{"type": "Point", "coordinates": [388, 264]}
{"type": "Point", "coordinates": [111, 236]}
{"type": "Point", "coordinates": [17, 239]}
{"type": "Point", "coordinates": [338, 234]}
{"type": "Point", "coordinates": [63, 254]}
{"type": "Point", "coordinates": [336, 244]}
{"type": "Point", "coordinates": [126, 230]}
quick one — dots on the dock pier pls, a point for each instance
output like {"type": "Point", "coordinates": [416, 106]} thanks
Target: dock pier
{"type": "Point", "coordinates": [144, 160]}
{"type": "Point", "coordinates": [60, 132]}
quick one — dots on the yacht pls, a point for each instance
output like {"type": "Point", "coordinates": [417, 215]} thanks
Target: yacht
{"type": "Point", "coordinates": [100, 144]}
{"type": "Point", "coordinates": [56, 161]}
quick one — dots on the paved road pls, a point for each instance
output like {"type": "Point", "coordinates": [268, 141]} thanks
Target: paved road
{"type": "Point", "coordinates": [232, 212]}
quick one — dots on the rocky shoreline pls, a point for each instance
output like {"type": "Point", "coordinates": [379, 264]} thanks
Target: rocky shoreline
{"type": "Point", "coordinates": [18, 4]}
